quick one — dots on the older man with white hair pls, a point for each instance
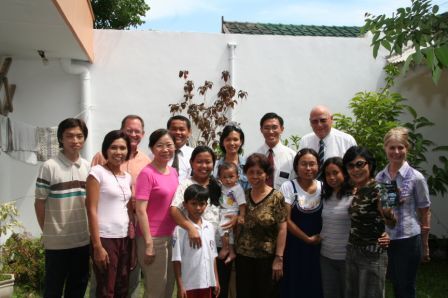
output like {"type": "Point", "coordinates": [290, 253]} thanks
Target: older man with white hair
{"type": "Point", "coordinates": [325, 139]}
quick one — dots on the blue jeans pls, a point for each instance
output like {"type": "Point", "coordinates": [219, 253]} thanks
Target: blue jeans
{"type": "Point", "coordinates": [365, 273]}
{"type": "Point", "coordinates": [333, 277]}
{"type": "Point", "coordinates": [404, 258]}
{"type": "Point", "coordinates": [69, 267]}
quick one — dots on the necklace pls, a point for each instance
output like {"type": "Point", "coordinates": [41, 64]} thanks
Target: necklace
{"type": "Point", "coordinates": [119, 185]}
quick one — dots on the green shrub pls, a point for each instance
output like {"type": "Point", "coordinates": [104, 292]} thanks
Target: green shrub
{"type": "Point", "coordinates": [25, 257]}
{"type": "Point", "coordinates": [375, 113]}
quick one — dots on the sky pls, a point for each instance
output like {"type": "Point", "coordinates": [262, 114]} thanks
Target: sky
{"type": "Point", "coordinates": [205, 15]}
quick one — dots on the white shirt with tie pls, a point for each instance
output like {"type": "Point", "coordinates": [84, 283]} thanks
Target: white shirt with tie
{"type": "Point", "coordinates": [336, 143]}
{"type": "Point", "coordinates": [283, 163]}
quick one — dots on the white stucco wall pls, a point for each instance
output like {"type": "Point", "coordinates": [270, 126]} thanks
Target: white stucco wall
{"type": "Point", "coordinates": [135, 72]}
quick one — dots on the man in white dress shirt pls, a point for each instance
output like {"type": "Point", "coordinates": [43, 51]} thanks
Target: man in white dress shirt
{"type": "Point", "coordinates": [325, 139]}
{"type": "Point", "coordinates": [271, 126]}
{"type": "Point", "coordinates": [179, 128]}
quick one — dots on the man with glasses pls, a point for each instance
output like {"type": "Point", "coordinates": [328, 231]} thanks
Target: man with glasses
{"type": "Point", "coordinates": [280, 156]}
{"type": "Point", "coordinates": [134, 127]}
{"type": "Point", "coordinates": [325, 139]}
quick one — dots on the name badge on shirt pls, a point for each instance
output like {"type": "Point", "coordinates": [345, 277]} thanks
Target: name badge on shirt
{"type": "Point", "coordinates": [284, 175]}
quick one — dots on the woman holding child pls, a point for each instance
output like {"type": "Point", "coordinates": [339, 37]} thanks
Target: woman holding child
{"type": "Point", "coordinates": [231, 144]}
{"type": "Point", "coordinates": [155, 187]}
{"type": "Point", "coordinates": [261, 241]}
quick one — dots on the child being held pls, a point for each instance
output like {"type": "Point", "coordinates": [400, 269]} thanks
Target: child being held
{"type": "Point", "coordinates": [195, 268]}
{"type": "Point", "coordinates": [232, 202]}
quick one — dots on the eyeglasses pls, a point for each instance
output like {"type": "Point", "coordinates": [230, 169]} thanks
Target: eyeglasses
{"type": "Point", "coordinates": [133, 131]}
{"type": "Point", "coordinates": [317, 121]}
{"type": "Point", "coordinates": [359, 164]}
{"type": "Point", "coordinates": [270, 128]}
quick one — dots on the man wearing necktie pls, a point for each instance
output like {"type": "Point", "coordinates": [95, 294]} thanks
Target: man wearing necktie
{"type": "Point", "coordinates": [179, 128]}
{"type": "Point", "coordinates": [280, 156]}
{"type": "Point", "coordinates": [325, 139]}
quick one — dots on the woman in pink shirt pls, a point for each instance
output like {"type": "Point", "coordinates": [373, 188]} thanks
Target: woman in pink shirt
{"type": "Point", "coordinates": [155, 187]}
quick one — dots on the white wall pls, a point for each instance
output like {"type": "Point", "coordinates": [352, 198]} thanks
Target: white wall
{"type": "Point", "coordinates": [44, 96]}
{"type": "Point", "coordinates": [135, 72]}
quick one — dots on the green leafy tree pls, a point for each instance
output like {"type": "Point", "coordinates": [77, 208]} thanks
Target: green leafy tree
{"type": "Point", "coordinates": [118, 14]}
{"type": "Point", "coordinates": [375, 113]}
{"type": "Point", "coordinates": [419, 27]}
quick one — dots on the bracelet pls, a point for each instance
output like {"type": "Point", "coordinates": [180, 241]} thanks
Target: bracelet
{"type": "Point", "coordinates": [425, 228]}
{"type": "Point", "coordinates": [279, 256]}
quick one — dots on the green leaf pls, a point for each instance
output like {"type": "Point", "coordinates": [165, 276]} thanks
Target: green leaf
{"type": "Point", "coordinates": [442, 55]}
{"type": "Point", "coordinates": [375, 49]}
{"type": "Point", "coordinates": [440, 148]}
{"type": "Point", "coordinates": [406, 64]}
{"type": "Point", "coordinates": [428, 53]}
{"type": "Point", "coordinates": [418, 56]}
{"type": "Point", "coordinates": [436, 74]}
{"type": "Point", "coordinates": [386, 44]}
{"type": "Point", "coordinates": [412, 111]}
{"type": "Point", "coordinates": [435, 9]}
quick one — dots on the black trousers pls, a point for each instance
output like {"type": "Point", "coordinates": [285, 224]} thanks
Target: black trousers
{"type": "Point", "coordinates": [69, 267]}
{"type": "Point", "coordinates": [254, 278]}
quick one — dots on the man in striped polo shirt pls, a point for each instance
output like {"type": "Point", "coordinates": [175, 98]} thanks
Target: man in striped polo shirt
{"type": "Point", "coordinates": [61, 214]}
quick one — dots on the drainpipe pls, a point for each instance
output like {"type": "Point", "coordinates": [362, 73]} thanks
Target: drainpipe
{"type": "Point", "coordinates": [86, 99]}
{"type": "Point", "coordinates": [232, 46]}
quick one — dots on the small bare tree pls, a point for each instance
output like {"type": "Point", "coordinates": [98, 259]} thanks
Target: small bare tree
{"type": "Point", "coordinates": [208, 117]}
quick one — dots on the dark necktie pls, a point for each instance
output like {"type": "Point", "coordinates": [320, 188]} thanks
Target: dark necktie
{"type": "Point", "coordinates": [321, 155]}
{"type": "Point", "coordinates": [270, 180]}
{"type": "Point", "coordinates": [176, 160]}
{"type": "Point", "coordinates": [321, 152]}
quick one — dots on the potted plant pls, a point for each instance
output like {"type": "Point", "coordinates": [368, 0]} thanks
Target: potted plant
{"type": "Point", "coordinates": [8, 222]}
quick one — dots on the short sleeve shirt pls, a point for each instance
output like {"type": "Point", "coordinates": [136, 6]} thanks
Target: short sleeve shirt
{"type": "Point", "coordinates": [258, 235]}
{"type": "Point", "coordinates": [367, 223]}
{"type": "Point", "coordinates": [158, 189]}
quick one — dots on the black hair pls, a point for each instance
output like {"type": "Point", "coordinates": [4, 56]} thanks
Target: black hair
{"type": "Point", "coordinates": [327, 190]}
{"type": "Point", "coordinates": [156, 135]}
{"type": "Point", "coordinates": [258, 159]}
{"type": "Point", "coordinates": [132, 117]}
{"type": "Point", "coordinates": [363, 152]}
{"type": "Point", "coordinates": [227, 165]}
{"type": "Point", "coordinates": [303, 152]}
{"type": "Point", "coordinates": [225, 133]}
{"type": "Point", "coordinates": [113, 135]}
{"type": "Point", "coordinates": [181, 118]}
{"type": "Point", "coordinates": [196, 192]}
{"type": "Point", "coordinates": [71, 123]}
{"type": "Point", "coordinates": [213, 186]}
{"type": "Point", "coordinates": [268, 116]}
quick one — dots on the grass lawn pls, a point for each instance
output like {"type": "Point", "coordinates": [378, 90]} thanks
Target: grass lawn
{"type": "Point", "coordinates": [432, 282]}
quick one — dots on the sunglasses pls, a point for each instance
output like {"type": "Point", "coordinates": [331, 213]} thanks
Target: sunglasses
{"type": "Point", "coordinates": [359, 164]}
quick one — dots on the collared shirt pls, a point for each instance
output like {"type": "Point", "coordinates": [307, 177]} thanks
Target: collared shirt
{"type": "Point", "coordinates": [62, 184]}
{"type": "Point", "coordinates": [198, 264]}
{"type": "Point", "coordinates": [414, 194]}
{"type": "Point", "coordinates": [132, 166]}
{"type": "Point", "coordinates": [336, 143]}
{"type": "Point", "coordinates": [184, 156]}
{"type": "Point", "coordinates": [211, 213]}
{"type": "Point", "coordinates": [283, 163]}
